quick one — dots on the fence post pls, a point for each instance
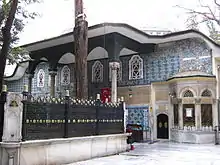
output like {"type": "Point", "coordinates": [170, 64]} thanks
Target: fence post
{"type": "Point", "coordinates": [97, 104]}
{"type": "Point", "coordinates": [2, 102]}
{"type": "Point", "coordinates": [24, 117]}
{"type": "Point", "coordinates": [66, 115]}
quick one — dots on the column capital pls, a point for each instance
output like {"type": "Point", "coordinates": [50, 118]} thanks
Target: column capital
{"type": "Point", "coordinates": [179, 100]}
{"type": "Point", "coordinates": [114, 65]}
{"type": "Point", "coordinates": [52, 72]}
{"type": "Point", "coordinates": [198, 101]}
{"type": "Point", "coordinates": [215, 100]}
{"type": "Point", "coordinates": [30, 75]}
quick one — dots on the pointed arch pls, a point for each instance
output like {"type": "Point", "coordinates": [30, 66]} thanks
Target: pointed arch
{"type": "Point", "coordinates": [67, 58]}
{"type": "Point", "coordinates": [136, 68]}
{"type": "Point", "coordinates": [188, 93]}
{"type": "Point", "coordinates": [184, 89]}
{"type": "Point", "coordinates": [97, 53]}
{"type": "Point", "coordinates": [206, 93]}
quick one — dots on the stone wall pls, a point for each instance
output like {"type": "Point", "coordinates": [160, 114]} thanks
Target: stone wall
{"type": "Point", "coordinates": [64, 151]}
{"type": "Point", "coordinates": [195, 137]}
{"type": "Point", "coordinates": [140, 94]}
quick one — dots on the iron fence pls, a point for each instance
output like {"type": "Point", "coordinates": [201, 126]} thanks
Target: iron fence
{"type": "Point", "coordinates": [47, 118]}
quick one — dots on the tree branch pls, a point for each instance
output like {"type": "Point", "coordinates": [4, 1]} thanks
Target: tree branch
{"type": "Point", "coordinates": [7, 38]}
{"type": "Point", "coordinates": [210, 11]}
{"type": "Point", "coordinates": [218, 4]}
{"type": "Point", "coordinates": [206, 15]}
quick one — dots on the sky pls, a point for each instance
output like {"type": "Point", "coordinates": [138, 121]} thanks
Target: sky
{"type": "Point", "coordinates": [57, 16]}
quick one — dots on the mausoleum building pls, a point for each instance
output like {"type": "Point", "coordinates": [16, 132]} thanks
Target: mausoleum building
{"type": "Point", "coordinates": [174, 77]}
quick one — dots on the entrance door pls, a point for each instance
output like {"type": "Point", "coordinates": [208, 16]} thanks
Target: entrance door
{"type": "Point", "coordinates": [162, 126]}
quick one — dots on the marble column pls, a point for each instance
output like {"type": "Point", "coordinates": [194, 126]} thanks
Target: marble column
{"type": "Point", "coordinates": [215, 116]}
{"type": "Point", "coordinates": [171, 107]}
{"type": "Point", "coordinates": [52, 82]}
{"type": "Point", "coordinates": [198, 121]}
{"type": "Point", "coordinates": [180, 113]}
{"type": "Point", "coordinates": [218, 96]}
{"type": "Point", "coordinates": [30, 78]}
{"type": "Point", "coordinates": [114, 66]}
{"type": "Point", "coordinates": [218, 81]}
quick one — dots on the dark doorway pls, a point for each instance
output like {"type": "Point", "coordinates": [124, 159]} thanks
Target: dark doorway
{"type": "Point", "coordinates": [162, 126]}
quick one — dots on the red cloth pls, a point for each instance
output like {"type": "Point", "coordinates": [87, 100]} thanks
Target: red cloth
{"type": "Point", "coordinates": [128, 130]}
{"type": "Point", "coordinates": [106, 95]}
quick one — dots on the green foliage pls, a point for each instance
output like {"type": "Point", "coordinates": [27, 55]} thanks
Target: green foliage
{"type": "Point", "coordinates": [21, 18]}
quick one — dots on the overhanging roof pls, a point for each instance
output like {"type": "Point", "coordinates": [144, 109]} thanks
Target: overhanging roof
{"type": "Point", "coordinates": [123, 29]}
{"type": "Point", "coordinates": [107, 28]}
{"type": "Point", "coordinates": [18, 72]}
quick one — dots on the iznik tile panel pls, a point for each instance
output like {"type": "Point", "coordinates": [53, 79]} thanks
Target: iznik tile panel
{"type": "Point", "coordinates": [170, 59]}
{"type": "Point", "coordinates": [138, 115]}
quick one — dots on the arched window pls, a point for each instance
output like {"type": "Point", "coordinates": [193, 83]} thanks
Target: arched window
{"type": "Point", "coordinates": [65, 75]}
{"type": "Point", "coordinates": [135, 67]}
{"type": "Point", "coordinates": [206, 93]}
{"type": "Point", "coordinates": [97, 72]}
{"type": "Point", "coordinates": [119, 73]}
{"type": "Point", "coordinates": [40, 78]}
{"type": "Point", "coordinates": [188, 93]}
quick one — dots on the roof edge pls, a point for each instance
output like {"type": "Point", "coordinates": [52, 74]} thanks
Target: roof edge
{"type": "Point", "coordinates": [172, 78]}
{"type": "Point", "coordinates": [132, 28]}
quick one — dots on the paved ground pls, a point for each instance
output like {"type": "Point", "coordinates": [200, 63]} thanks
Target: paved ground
{"type": "Point", "coordinates": [162, 153]}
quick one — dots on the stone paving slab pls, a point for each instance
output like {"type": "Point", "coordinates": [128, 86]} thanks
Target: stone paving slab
{"type": "Point", "coordinates": [162, 154]}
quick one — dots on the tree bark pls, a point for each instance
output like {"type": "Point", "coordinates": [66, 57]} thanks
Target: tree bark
{"type": "Point", "coordinates": [6, 31]}
{"type": "Point", "coordinates": [81, 51]}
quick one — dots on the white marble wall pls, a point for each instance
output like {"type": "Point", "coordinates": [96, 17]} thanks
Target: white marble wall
{"type": "Point", "coordinates": [63, 151]}
{"type": "Point", "coordinates": [189, 136]}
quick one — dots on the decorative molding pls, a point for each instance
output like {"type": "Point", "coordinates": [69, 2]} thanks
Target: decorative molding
{"type": "Point", "coordinates": [118, 68]}
{"type": "Point", "coordinates": [114, 65]}
{"type": "Point", "coordinates": [97, 72]}
{"type": "Point", "coordinates": [40, 78]}
{"type": "Point", "coordinates": [65, 75]}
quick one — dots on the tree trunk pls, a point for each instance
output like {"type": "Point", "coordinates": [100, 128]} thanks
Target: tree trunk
{"type": "Point", "coordinates": [6, 31]}
{"type": "Point", "coordinates": [81, 51]}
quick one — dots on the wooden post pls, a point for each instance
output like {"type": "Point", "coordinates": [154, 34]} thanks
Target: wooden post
{"type": "Point", "coordinates": [81, 50]}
